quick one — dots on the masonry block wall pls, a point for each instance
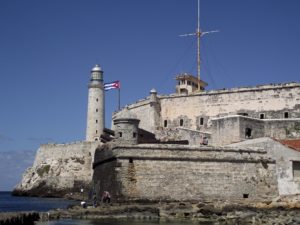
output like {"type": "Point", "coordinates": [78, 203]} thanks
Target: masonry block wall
{"type": "Point", "coordinates": [288, 183]}
{"type": "Point", "coordinates": [169, 172]}
{"type": "Point", "coordinates": [220, 128]}
{"type": "Point", "coordinates": [282, 129]}
{"type": "Point", "coordinates": [196, 111]}
{"type": "Point", "coordinates": [270, 100]}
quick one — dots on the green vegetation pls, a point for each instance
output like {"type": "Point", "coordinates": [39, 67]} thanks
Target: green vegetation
{"type": "Point", "coordinates": [43, 170]}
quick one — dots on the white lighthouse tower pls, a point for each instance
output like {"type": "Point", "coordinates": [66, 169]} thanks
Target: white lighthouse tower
{"type": "Point", "coordinates": [95, 115]}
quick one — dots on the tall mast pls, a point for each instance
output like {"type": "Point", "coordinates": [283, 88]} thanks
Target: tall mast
{"type": "Point", "coordinates": [198, 34]}
{"type": "Point", "coordinates": [198, 45]}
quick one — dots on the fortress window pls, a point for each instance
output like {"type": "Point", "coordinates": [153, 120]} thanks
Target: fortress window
{"type": "Point", "coordinates": [181, 122]}
{"type": "Point", "coordinates": [134, 134]}
{"type": "Point", "coordinates": [96, 110]}
{"type": "Point", "coordinates": [201, 121]}
{"type": "Point", "coordinates": [96, 139]}
{"type": "Point", "coordinates": [245, 195]}
{"type": "Point", "coordinates": [286, 114]}
{"type": "Point", "coordinates": [96, 121]}
{"type": "Point", "coordinates": [189, 82]}
{"type": "Point", "coordinates": [248, 133]}
{"type": "Point", "coordinates": [165, 123]}
{"type": "Point", "coordinates": [96, 131]}
{"type": "Point", "coordinates": [130, 160]}
{"type": "Point", "coordinates": [296, 169]}
{"type": "Point", "coordinates": [261, 116]}
{"type": "Point", "coordinates": [96, 99]}
{"type": "Point", "coordinates": [120, 134]}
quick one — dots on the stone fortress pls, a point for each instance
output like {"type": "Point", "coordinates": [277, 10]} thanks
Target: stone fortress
{"type": "Point", "coordinates": [155, 149]}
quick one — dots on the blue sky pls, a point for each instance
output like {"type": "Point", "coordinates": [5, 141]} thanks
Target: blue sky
{"type": "Point", "coordinates": [47, 49]}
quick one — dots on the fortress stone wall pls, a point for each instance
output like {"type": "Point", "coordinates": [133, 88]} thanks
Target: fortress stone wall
{"type": "Point", "coordinates": [277, 105]}
{"type": "Point", "coordinates": [272, 100]}
{"type": "Point", "coordinates": [288, 182]}
{"type": "Point", "coordinates": [232, 129]}
{"type": "Point", "coordinates": [155, 172]}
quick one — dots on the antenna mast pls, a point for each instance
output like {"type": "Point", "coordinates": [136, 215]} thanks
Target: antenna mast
{"type": "Point", "coordinates": [199, 34]}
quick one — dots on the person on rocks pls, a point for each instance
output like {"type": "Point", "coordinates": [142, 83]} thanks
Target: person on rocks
{"type": "Point", "coordinates": [106, 197]}
{"type": "Point", "coordinates": [95, 202]}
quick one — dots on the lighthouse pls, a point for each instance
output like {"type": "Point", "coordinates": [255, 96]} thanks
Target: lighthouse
{"type": "Point", "coordinates": [95, 114]}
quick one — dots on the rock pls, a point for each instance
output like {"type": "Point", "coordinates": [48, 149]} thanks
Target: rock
{"type": "Point", "coordinates": [59, 171]}
{"type": "Point", "coordinates": [20, 218]}
{"type": "Point", "coordinates": [210, 209]}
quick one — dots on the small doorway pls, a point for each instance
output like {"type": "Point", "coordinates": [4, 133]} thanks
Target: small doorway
{"type": "Point", "coordinates": [248, 133]}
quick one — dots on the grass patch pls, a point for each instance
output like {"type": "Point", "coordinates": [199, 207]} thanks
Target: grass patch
{"type": "Point", "coordinates": [43, 170]}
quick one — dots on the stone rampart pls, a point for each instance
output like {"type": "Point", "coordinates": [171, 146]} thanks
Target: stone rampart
{"type": "Point", "coordinates": [232, 129]}
{"type": "Point", "coordinates": [196, 111]}
{"type": "Point", "coordinates": [174, 172]}
{"type": "Point", "coordinates": [193, 137]}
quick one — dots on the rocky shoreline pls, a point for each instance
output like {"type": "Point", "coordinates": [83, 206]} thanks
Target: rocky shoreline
{"type": "Point", "coordinates": [279, 211]}
{"type": "Point", "coordinates": [284, 210]}
{"type": "Point", "coordinates": [20, 218]}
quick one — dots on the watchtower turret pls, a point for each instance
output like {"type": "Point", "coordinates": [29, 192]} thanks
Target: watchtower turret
{"type": "Point", "coordinates": [126, 128]}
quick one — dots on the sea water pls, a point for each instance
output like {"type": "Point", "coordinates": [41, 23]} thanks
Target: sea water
{"type": "Point", "coordinates": [9, 203]}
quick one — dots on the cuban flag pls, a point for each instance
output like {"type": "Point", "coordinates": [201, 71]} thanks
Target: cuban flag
{"type": "Point", "coordinates": [112, 85]}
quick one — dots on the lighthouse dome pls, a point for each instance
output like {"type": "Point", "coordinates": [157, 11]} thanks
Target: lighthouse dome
{"type": "Point", "coordinates": [96, 74]}
{"type": "Point", "coordinates": [96, 68]}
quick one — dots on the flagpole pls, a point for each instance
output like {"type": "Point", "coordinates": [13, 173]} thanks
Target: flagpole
{"type": "Point", "coordinates": [119, 99]}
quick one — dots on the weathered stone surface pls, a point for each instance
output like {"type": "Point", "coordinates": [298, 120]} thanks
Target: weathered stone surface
{"type": "Point", "coordinates": [274, 99]}
{"type": "Point", "coordinates": [59, 170]}
{"type": "Point", "coordinates": [174, 172]}
{"type": "Point", "coordinates": [265, 107]}
{"type": "Point", "coordinates": [284, 156]}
